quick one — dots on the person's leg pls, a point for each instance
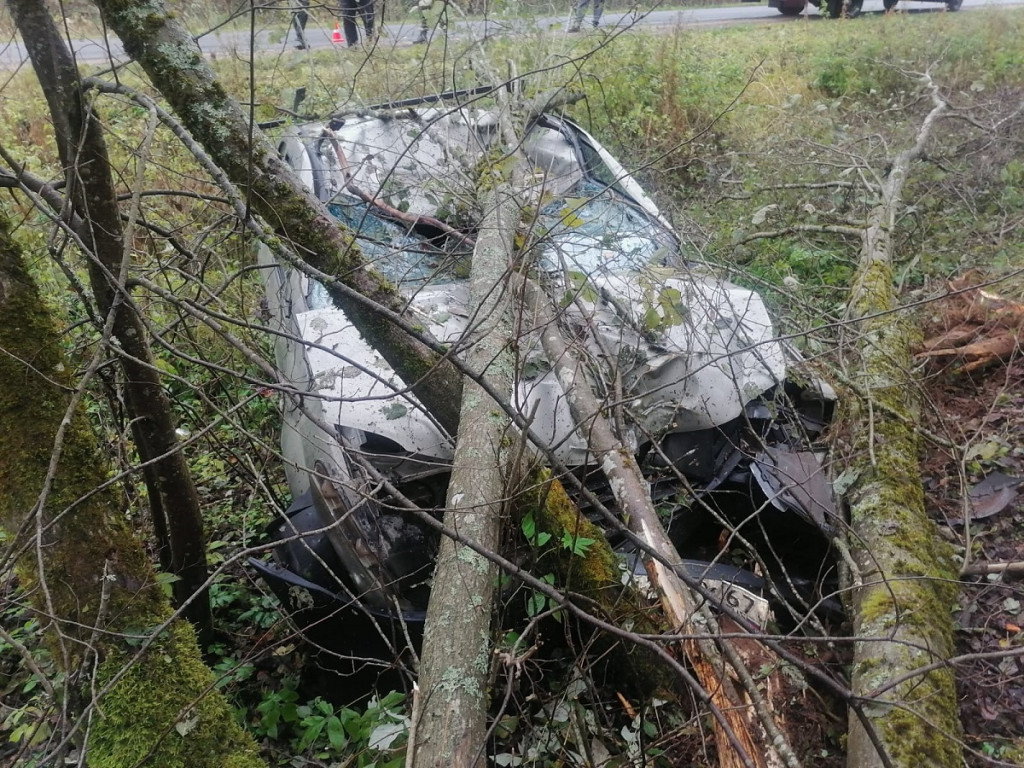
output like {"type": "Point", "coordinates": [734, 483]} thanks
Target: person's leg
{"type": "Point", "coordinates": [424, 27]}
{"type": "Point", "coordinates": [598, 10]}
{"type": "Point", "coordinates": [348, 22]}
{"type": "Point", "coordinates": [366, 12]}
{"type": "Point", "coordinates": [299, 19]}
{"type": "Point", "coordinates": [579, 9]}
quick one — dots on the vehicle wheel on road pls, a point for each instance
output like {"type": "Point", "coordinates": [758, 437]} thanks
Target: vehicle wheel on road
{"type": "Point", "coordinates": [889, 4]}
{"type": "Point", "coordinates": [954, 5]}
{"type": "Point", "coordinates": [852, 9]}
{"type": "Point", "coordinates": [791, 10]}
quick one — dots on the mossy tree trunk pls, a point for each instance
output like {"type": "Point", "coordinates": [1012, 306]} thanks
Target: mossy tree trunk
{"type": "Point", "coordinates": [173, 501]}
{"type": "Point", "coordinates": [139, 693]}
{"type": "Point", "coordinates": [175, 65]}
{"type": "Point", "coordinates": [905, 588]}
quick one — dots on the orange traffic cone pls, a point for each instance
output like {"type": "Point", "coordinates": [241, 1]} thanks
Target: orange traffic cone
{"type": "Point", "coordinates": [336, 35]}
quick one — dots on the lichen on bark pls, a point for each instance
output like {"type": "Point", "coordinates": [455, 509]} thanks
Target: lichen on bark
{"type": "Point", "coordinates": [901, 610]}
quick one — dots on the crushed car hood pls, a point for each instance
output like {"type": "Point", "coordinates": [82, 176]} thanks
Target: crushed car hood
{"type": "Point", "coordinates": [690, 353]}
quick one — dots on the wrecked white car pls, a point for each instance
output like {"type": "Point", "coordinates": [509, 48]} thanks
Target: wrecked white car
{"type": "Point", "coordinates": [720, 433]}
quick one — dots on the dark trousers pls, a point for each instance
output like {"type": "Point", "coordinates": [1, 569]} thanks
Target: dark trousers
{"type": "Point", "coordinates": [352, 10]}
{"type": "Point", "coordinates": [580, 9]}
{"type": "Point", "coordinates": [299, 18]}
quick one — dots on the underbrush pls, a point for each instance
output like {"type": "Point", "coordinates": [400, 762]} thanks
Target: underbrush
{"type": "Point", "coordinates": [755, 141]}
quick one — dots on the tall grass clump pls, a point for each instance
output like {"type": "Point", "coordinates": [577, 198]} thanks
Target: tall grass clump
{"type": "Point", "coordinates": [659, 98]}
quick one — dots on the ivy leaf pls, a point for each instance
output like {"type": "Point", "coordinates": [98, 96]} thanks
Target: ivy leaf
{"type": "Point", "coordinates": [335, 734]}
{"type": "Point", "coordinates": [535, 604]}
{"type": "Point", "coordinates": [580, 287]}
{"type": "Point", "coordinates": [165, 580]}
{"type": "Point", "coordinates": [384, 735]}
{"type": "Point", "coordinates": [652, 320]}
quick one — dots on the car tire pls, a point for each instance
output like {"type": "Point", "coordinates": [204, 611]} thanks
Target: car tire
{"type": "Point", "coordinates": [889, 4]}
{"type": "Point", "coordinates": [953, 5]}
{"type": "Point", "coordinates": [851, 11]}
{"type": "Point", "coordinates": [791, 10]}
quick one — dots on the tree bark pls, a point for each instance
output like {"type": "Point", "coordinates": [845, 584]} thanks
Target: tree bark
{"type": "Point", "coordinates": [175, 65]}
{"type": "Point", "coordinates": [173, 501]}
{"type": "Point", "coordinates": [451, 719]}
{"type": "Point", "coordinates": [905, 588]}
{"type": "Point", "coordinates": [139, 691]}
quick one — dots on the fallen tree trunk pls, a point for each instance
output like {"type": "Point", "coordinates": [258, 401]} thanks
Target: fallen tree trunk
{"type": "Point", "coordinates": [744, 734]}
{"type": "Point", "coordinates": [905, 587]}
{"type": "Point", "coordinates": [451, 716]}
{"type": "Point", "coordinates": [137, 688]}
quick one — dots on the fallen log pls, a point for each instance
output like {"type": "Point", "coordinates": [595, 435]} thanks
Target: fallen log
{"type": "Point", "coordinates": [905, 585]}
{"type": "Point", "coordinates": [745, 734]}
{"type": "Point", "coordinates": [451, 722]}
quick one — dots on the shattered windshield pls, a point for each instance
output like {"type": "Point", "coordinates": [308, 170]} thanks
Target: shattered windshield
{"type": "Point", "coordinates": [591, 218]}
{"type": "Point", "coordinates": [395, 249]}
{"type": "Point", "coordinates": [593, 230]}
{"type": "Point", "coordinates": [398, 250]}
{"type": "Point", "coordinates": [597, 230]}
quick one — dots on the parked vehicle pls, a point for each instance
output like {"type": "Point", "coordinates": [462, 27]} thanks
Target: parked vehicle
{"type": "Point", "coordinates": [841, 8]}
{"type": "Point", "coordinates": [718, 430]}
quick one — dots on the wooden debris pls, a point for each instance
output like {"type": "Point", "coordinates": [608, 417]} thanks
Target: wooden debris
{"type": "Point", "coordinates": [982, 329]}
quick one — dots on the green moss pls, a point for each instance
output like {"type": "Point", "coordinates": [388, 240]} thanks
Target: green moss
{"type": "Point", "coordinates": [875, 604]}
{"type": "Point", "coordinates": [596, 575]}
{"type": "Point", "coordinates": [83, 535]}
{"type": "Point", "coordinates": [909, 733]}
{"type": "Point", "coordinates": [101, 586]}
{"type": "Point", "coordinates": [157, 713]}
{"type": "Point", "coordinates": [902, 611]}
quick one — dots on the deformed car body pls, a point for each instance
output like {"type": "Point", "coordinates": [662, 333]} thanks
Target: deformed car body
{"type": "Point", "coordinates": [692, 358]}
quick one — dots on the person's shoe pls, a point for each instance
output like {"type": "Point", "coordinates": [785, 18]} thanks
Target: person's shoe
{"type": "Point", "coordinates": [421, 38]}
{"type": "Point", "coordinates": [301, 46]}
{"type": "Point", "coordinates": [574, 28]}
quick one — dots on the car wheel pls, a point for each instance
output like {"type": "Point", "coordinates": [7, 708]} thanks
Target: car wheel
{"type": "Point", "coordinates": [954, 5]}
{"type": "Point", "coordinates": [851, 10]}
{"type": "Point", "coordinates": [791, 10]}
{"type": "Point", "coordinates": [889, 4]}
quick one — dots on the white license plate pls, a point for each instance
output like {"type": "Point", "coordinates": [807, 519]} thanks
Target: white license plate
{"type": "Point", "coordinates": [743, 601]}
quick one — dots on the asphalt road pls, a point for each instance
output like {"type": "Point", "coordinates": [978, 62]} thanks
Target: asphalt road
{"type": "Point", "coordinates": [13, 55]}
